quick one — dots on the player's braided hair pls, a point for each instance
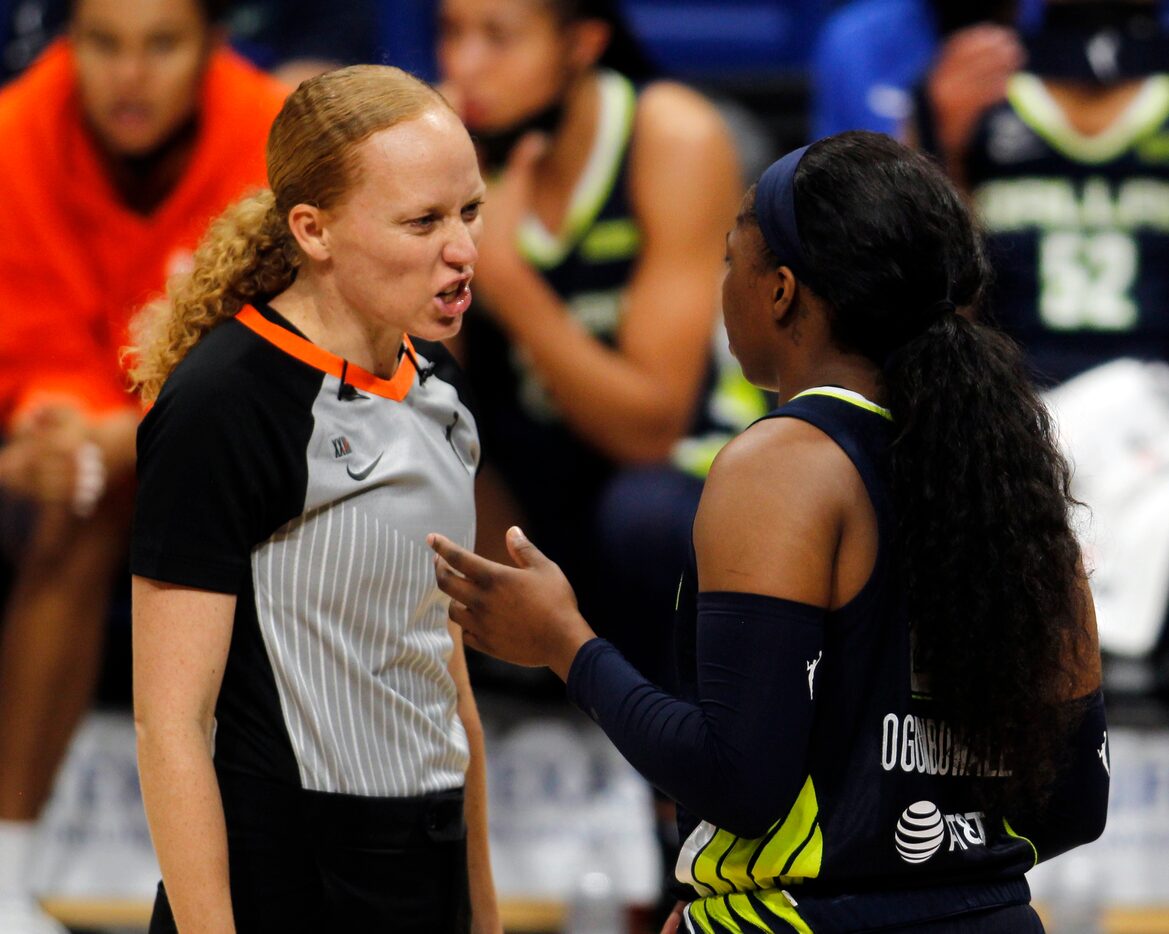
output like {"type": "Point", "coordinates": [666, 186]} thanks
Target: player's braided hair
{"type": "Point", "coordinates": [249, 253]}
{"type": "Point", "coordinates": [990, 567]}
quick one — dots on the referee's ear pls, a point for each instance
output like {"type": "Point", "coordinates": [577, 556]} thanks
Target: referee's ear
{"type": "Point", "coordinates": [307, 224]}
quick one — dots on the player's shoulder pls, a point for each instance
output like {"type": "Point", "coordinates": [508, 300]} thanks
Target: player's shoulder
{"type": "Point", "coordinates": [680, 139]}
{"type": "Point", "coordinates": [775, 454]}
{"type": "Point", "coordinates": [674, 114]}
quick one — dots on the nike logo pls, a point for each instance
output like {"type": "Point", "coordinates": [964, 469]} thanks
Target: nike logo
{"type": "Point", "coordinates": [362, 474]}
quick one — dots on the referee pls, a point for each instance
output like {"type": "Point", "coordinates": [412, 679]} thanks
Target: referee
{"type": "Point", "coordinates": [310, 752]}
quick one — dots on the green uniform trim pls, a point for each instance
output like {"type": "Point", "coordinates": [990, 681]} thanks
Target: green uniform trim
{"type": "Point", "coordinates": [791, 851]}
{"type": "Point", "coordinates": [722, 914]}
{"type": "Point", "coordinates": [1040, 111]}
{"type": "Point", "coordinates": [609, 241]}
{"type": "Point", "coordinates": [779, 904]}
{"type": "Point", "coordinates": [847, 395]}
{"type": "Point", "coordinates": [717, 910]}
{"type": "Point", "coordinates": [1018, 836]}
{"type": "Point", "coordinates": [617, 109]}
{"type": "Point", "coordinates": [795, 849]}
{"type": "Point", "coordinates": [697, 913]}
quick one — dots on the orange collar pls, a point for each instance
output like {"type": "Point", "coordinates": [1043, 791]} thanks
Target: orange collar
{"type": "Point", "coordinates": [396, 387]}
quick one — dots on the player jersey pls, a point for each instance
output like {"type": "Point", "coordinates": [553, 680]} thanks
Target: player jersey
{"type": "Point", "coordinates": [1078, 227]}
{"type": "Point", "coordinates": [885, 831]}
{"type": "Point", "coordinates": [78, 262]}
{"type": "Point", "coordinates": [588, 265]}
{"type": "Point", "coordinates": [306, 486]}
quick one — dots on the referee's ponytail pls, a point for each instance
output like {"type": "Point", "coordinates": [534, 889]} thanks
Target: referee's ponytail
{"type": "Point", "coordinates": [249, 253]}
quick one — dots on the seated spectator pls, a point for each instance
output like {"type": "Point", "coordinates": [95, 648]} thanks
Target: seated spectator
{"type": "Point", "coordinates": [293, 39]}
{"type": "Point", "coordinates": [1069, 169]}
{"type": "Point", "coordinates": [589, 346]}
{"type": "Point", "coordinates": [121, 142]}
{"type": "Point", "coordinates": [872, 53]}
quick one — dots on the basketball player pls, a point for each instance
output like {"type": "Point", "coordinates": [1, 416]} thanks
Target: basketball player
{"type": "Point", "coordinates": [306, 727]}
{"type": "Point", "coordinates": [1070, 175]}
{"type": "Point", "coordinates": [588, 258]}
{"type": "Point", "coordinates": [121, 142]}
{"type": "Point", "coordinates": [891, 705]}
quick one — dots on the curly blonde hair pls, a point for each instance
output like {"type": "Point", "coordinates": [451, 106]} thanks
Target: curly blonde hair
{"type": "Point", "coordinates": [249, 252]}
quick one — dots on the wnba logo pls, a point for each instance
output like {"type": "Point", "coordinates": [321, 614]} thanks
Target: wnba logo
{"type": "Point", "coordinates": [920, 832]}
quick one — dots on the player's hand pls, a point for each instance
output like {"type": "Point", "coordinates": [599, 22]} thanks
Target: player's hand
{"type": "Point", "coordinates": [508, 202]}
{"type": "Point", "coordinates": [526, 615]}
{"type": "Point", "coordinates": [970, 75]}
{"type": "Point", "coordinates": [52, 459]}
{"type": "Point", "coordinates": [674, 922]}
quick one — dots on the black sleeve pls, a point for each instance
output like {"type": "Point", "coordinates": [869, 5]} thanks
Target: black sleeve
{"type": "Point", "coordinates": [218, 472]}
{"type": "Point", "coordinates": [1078, 807]}
{"type": "Point", "coordinates": [738, 757]}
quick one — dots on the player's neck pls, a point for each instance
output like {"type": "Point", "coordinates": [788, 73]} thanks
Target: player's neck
{"type": "Point", "coordinates": [144, 182]}
{"type": "Point", "coordinates": [1091, 109]}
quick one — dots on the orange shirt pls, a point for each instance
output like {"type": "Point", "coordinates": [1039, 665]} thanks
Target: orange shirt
{"type": "Point", "coordinates": [76, 264]}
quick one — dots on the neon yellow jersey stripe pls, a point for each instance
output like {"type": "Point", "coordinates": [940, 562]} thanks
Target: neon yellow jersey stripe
{"type": "Point", "coordinates": [696, 912]}
{"type": "Point", "coordinates": [796, 850]}
{"type": "Point", "coordinates": [707, 864]}
{"type": "Point", "coordinates": [1040, 111]}
{"type": "Point", "coordinates": [847, 395]}
{"type": "Point", "coordinates": [1018, 836]}
{"type": "Point", "coordinates": [721, 914]}
{"type": "Point", "coordinates": [717, 911]}
{"type": "Point", "coordinates": [778, 903]}
{"type": "Point", "coordinates": [744, 909]}
{"type": "Point", "coordinates": [618, 107]}
{"type": "Point", "coordinates": [791, 851]}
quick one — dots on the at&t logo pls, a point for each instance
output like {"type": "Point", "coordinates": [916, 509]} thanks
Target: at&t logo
{"type": "Point", "coordinates": [922, 829]}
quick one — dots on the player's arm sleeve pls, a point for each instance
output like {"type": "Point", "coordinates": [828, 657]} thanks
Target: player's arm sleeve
{"type": "Point", "coordinates": [1077, 808]}
{"type": "Point", "coordinates": [738, 756]}
{"type": "Point", "coordinates": [209, 477]}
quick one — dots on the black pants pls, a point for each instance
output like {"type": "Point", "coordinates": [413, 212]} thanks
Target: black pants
{"type": "Point", "coordinates": [1018, 919]}
{"type": "Point", "coordinates": [313, 862]}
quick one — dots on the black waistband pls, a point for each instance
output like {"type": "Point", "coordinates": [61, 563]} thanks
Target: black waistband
{"type": "Point", "coordinates": [892, 909]}
{"type": "Point", "coordinates": [354, 820]}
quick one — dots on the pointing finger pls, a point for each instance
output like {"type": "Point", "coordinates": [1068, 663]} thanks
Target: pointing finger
{"type": "Point", "coordinates": [453, 584]}
{"type": "Point", "coordinates": [467, 563]}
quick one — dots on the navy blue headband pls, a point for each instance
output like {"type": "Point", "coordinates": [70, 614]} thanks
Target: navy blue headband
{"type": "Point", "coordinates": [775, 207]}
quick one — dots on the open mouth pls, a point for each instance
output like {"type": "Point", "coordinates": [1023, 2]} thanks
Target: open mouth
{"type": "Point", "coordinates": [456, 299]}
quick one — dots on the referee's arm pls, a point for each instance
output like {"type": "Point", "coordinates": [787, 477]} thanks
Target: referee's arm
{"type": "Point", "coordinates": [484, 909]}
{"type": "Point", "coordinates": [181, 638]}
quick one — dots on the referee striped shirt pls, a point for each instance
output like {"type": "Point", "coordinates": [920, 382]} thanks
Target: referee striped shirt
{"type": "Point", "coordinates": [275, 471]}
